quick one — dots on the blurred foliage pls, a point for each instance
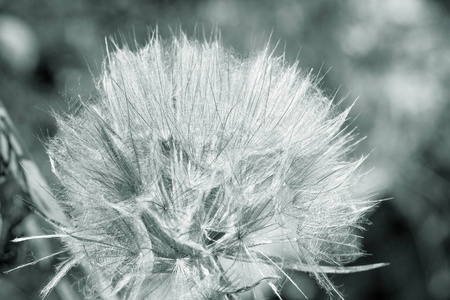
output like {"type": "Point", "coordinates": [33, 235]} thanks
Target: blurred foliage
{"type": "Point", "coordinates": [392, 54]}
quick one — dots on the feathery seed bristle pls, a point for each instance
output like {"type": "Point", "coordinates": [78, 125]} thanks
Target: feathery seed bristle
{"type": "Point", "coordinates": [198, 175]}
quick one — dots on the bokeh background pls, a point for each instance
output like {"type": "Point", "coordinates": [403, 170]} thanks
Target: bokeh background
{"type": "Point", "coordinates": [391, 55]}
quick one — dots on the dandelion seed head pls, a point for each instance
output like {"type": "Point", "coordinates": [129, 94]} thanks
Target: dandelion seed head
{"type": "Point", "coordinates": [196, 174]}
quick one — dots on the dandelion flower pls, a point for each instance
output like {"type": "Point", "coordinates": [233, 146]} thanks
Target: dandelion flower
{"type": "Point", "coordinates": [198, 175]}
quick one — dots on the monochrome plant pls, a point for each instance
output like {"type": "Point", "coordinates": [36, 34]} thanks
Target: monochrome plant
{"type": "Point", "coordinates": [196, 174]}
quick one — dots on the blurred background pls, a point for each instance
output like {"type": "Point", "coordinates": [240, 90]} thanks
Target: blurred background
{"type": "Point", "coordinates": [393, 55]}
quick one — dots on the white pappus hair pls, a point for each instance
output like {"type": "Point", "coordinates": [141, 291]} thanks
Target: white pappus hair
{"type": "Point", "coordinates": [198, 175]}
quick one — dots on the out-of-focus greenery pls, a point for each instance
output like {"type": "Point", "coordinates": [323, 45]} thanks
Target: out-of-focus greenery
{"type": "Point", "coordinates": [394, 55]}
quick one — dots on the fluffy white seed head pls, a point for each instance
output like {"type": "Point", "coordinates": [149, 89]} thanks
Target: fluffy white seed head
{"type": "Point", "coordinates": [198, 175]}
